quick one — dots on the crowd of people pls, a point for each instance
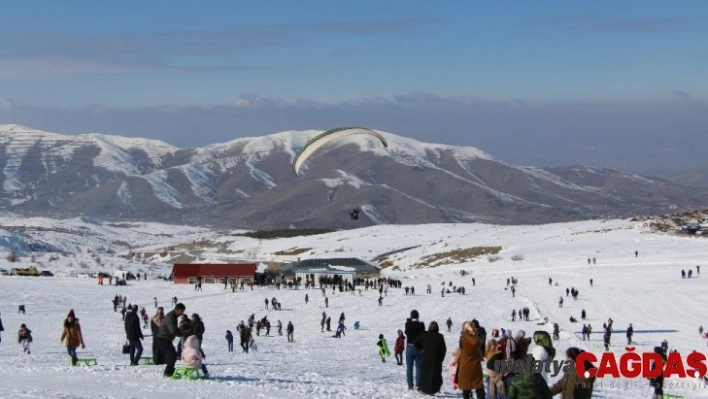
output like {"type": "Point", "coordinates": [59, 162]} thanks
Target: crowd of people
{"type": "Point", "coordinates": [425, 351]}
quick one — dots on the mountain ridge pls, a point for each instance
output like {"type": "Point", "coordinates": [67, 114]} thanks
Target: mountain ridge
{"type": "Point", "coordinates": [248, 183]}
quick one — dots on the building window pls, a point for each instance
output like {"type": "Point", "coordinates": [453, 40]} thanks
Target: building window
{"type": "Point", "coordinates": [365, 274]}
{"type": "Point", "coordinates": [192, 280]}
{"type": "Point", "coordinates": [209, 280]}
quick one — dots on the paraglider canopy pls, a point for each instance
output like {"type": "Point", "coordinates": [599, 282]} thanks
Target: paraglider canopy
{"type": "Point", "coordinates": [320, 140]}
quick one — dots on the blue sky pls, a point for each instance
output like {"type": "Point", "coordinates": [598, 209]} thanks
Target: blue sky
{"type": "Point", "coordinates": [233, 67]}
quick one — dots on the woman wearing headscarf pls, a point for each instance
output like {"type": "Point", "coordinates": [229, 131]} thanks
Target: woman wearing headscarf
{"type": "Point", "coordinates": [542, 349]}
{"type": "Point", "coordinates": [496, 378]}
{"type": "Point", "coordinates": [470, 371]}
{"type": "Point", "coordinates": [73, 336]}
{"type": "Point", "coordinates": [157, 356]}
{"type": "Point", "coordinates": [572, 385]}
{"type": "Point", "coordinates": [432, 346]}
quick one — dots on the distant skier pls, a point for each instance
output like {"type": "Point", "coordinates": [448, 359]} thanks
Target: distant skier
{"type": "Point", "coordinates": [630, 332]}
{"type": "Point", "coordinates": [449, 324]}
{"type": "Point", "coordinates": [230, 340]}
{"type": "Point", "coordinates": [582, 314]}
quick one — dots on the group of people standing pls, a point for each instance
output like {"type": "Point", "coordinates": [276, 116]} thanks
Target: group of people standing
{"type": "Point", "coordinates": [425, 352]}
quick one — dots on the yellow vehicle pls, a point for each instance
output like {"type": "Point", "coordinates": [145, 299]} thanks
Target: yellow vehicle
{"type": "Point", "coordinates": [30, 271]}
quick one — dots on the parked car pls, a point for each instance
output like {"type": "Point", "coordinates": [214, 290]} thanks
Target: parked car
{"type": "Point", "coordinates": [46, 273]}
{"type": "Point", "coordinates": [4, 272]}
{"type": "Point", "coordinates": [28, 271]}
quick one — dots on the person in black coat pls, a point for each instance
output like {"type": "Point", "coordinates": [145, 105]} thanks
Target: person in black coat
{"type": "Point", "coordinates": [433, 349]}
{"type": "Point", "coordinates": [658, 382]}
{"type": "Point", "coordinates": [198, 329]}
{"type": "Point", "coordinates": [245, 335]}
{"type": "Point", "coordinates": [134, 335]}
{"type": "Point", "coordinates": [1, 329]}
{"type": "Point", "coordinates": [169, 329]}
{"type": "Point", "coordinates": [157, 356]}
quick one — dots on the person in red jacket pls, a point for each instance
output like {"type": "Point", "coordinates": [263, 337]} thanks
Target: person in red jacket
{"type": "Point", "coordinates": [398, 347]}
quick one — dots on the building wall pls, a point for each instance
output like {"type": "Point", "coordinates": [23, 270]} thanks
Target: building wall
{"type": "Point", "coordinates": [216, 280]}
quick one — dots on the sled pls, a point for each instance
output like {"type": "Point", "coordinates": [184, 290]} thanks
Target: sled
{"type": "Point", "coordinates": [384, 352]}
{"type": "Point", "coordinates": [146, 360]}
{"type": "Point", "coordinates": [670, 396]}
{"type": "Point", "coordinates": [188, 373]}
{"type": "Point", "coordinates": [85, 362]}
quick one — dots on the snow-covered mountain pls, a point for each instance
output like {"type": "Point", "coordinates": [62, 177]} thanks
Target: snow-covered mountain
{"type": "Point", "coordinates": [248, 183]}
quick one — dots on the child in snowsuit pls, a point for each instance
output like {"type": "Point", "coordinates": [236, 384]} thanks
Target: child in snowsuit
{"type": "Point", "coordinates": [230, 340]}
{"type": "Point", "coordinates": [398, 347]}
{"type": "Point", "coordinates": [192, 356]}
{"type": "Point", "coordinates": [452, 367]}
{"type": "Point", "coordinates": [24, 337]}
{"type": "Point", "coordinates": [382, 344]}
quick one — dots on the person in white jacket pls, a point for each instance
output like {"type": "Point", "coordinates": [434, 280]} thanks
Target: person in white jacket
{"type": "Point", "coordinates": [192, 356]}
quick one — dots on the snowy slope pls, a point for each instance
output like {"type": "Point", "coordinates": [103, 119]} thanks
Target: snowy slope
{"type": "Point", "coordinates": [646, 290]}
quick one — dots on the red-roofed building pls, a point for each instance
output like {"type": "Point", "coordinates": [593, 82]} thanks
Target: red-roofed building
{"type": "Point", "coordinates": [191, 273]}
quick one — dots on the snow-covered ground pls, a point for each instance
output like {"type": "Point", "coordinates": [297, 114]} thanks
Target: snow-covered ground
{"type": "Point", "coordinates": [646, 291]}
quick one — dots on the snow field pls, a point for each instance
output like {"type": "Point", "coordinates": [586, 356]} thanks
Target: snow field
{"type": "Point", "coordinates": [646, 291]}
